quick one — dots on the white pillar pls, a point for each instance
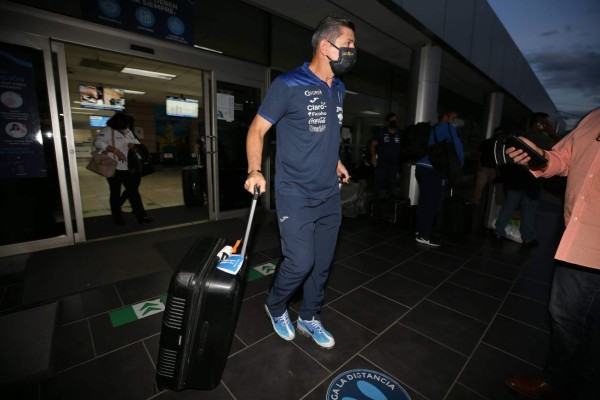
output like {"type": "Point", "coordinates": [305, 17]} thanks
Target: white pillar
{"type": "Point", "coordinates": [495, 102]}
{"type": "Point", "coordinates": [425, 82]}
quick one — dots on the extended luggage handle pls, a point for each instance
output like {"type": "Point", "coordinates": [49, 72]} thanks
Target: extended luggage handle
{"type": "Point", "coordinates": [250, 218]}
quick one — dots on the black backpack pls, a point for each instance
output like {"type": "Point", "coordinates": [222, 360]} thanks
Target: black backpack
{"type": "Point", "coordinates": [415, 142]}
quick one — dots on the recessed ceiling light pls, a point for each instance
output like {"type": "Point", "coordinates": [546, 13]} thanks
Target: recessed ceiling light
{"type": "Point", "coordinates": [149, 74]}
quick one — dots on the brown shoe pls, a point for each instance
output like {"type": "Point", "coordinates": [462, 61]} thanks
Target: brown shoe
{"type": "Point", "coordinates": [532, 387]}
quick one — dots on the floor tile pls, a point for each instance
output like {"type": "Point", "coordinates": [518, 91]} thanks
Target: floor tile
{"type": "Point", "coordinates": [457, 251]}
{"type": "Point", "coordinates": [346, 248]}
{"type": "Point", "coordinates": [481, 283]}
{"type": "Point", "coordinates": [520, 340]}
{"type": "Point", "coordinates": [465, 301]}
{"type": "Point", "coordinates": [218, 393]}
{"type": "Point", "coordinates": [145, 287]}
{"type": "Point", "coordinates": [253, 323]}
{"type": "Point", "coordinates": [459, 392]}
{"type": "Point", "coordinates": [124, 374]}
{"type": "Point", "coordinates": [489, 368]}
{"type": "Point", "coordinates": [392, 253]}
{"type": "Point", "coordinates": [508, 253]}
{"type": "Point", "coordinates": [532, 290]}
{"type": "Point", "coordinates": [369, 309]}
{"type": "Point", "coordinates": [344, 279]}
{"type": "Point", "coordinates": [74, 345]}
{"type": "Point", "coordinates": [258, 286]}
{"type": "Point", "coordinates": [538, 273]}
{"type": "Point", "coordinates": [421, 273]}
{"type": "Point", "coordinates": [272, 253]}
{"type": "Point", "coordinates": [527, 311]}
{"type": "Point", "coordinates": [106, 338]}
{"type": "Point", "coordinates": [368, 264]}
{"type": "Point", "coordinates": [457, 331]}
{"type": "Point", "coordinates": [399, 289]}
{"type": "Point", "coordinates": [368, 238]}
{"type": "Point", "coordinates": [257, 258]}
{"type": "Point", "coordinates": [421, 363]}
{"type": "Point", "coordinates": [490, 267]}
{"type": "Point", "coordinates": [439, 260]}
{"type": "Point", "coordinates": [349, 337]}
{"type": "Point", "coordinates": [280, 370]}
{"type": "Point", "coordinates": [152, 345]}
{"type": "Point", "coordinates": [89, 303]}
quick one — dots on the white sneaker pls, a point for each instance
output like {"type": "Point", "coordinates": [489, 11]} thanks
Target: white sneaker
{"type": "Point", "coordinates": [427, 242]}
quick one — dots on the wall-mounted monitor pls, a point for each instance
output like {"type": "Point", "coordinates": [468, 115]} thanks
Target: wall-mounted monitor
{"type": "Point", "coordinates": [101, 98]}
{"type": "Point", "coordinates": [180, 107]}
{"type": "Point", "coordinates": [98, 121]}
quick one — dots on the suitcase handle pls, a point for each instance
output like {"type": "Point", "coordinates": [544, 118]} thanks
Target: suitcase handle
{"type": "Point", "coordinates": [250, 218]}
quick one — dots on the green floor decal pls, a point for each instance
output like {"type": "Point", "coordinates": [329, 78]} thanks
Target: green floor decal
{"type": "Point", "coordinates": [147, 308]}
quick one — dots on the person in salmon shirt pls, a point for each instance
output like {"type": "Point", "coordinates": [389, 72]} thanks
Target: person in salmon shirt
{"type": "Point", "coordinates": [572, 369]}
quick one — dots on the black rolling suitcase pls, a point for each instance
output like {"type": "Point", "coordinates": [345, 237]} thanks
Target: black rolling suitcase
{"type": "Point", "coordinates": [457, 216]}
{"type": "Point", "coordinates": [202, 310]}
{"type": "Point", "coordinates": [191, 184]}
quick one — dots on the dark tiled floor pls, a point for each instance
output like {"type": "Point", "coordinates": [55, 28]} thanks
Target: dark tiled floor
{"type": "Point", "coordinates": [450, 323]}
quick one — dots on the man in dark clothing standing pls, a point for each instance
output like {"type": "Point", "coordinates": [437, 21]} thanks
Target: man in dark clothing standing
{"type": "Point", "coordinates": [523, 188]}
{"type": "Point", "coordinates": [385, 156]}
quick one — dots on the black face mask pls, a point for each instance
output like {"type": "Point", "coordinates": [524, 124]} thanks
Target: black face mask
{"type": "Point", "coordinates": [345, 61]}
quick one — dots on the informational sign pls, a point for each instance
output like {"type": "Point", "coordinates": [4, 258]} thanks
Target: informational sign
{"type": "Point", "coordinates": [225, 107]}
{"type": "Point", "coordinates": [21, 141]}
{"type": "Point", "coordinates": [101, 98]}
{"type": "Point", "coordinates": [163, 19]}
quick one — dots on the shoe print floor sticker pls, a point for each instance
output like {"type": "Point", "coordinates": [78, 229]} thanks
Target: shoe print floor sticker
{"type": "Point", "coordinates": [364, 384]}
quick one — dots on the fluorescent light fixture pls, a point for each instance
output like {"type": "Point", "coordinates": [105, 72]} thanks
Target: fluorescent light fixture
{"type": "Point", "coordinates": [132, 91]}
{"type": "Point", "coordinates": [370, 112]}
{"type": "Point", "coordinates": [351, 92]}
{"type": "Point", "coordinates": [149, 74]}
{"type": "Point", "coordinates": [208, 49]}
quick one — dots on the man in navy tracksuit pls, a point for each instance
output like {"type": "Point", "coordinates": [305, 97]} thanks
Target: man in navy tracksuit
{"type": "Point", "coordinates": [431, 181]}
{"type": "Point", "coordinates": [306, 105]}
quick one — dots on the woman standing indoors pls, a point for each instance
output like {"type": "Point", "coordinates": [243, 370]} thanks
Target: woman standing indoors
{"type": "Point", "coordinates": [116, 139]}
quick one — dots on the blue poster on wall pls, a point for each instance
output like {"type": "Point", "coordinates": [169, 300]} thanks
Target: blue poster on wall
{"type": "Point", "coordinates": [21, 144]}
{"type": "Point", "coordinates": [163, 19]}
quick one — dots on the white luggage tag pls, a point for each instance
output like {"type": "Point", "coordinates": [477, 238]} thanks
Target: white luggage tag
{"type": "Point", "coordinates": [232, 264]}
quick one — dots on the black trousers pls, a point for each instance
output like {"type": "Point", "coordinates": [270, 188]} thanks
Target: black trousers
{"type": "Point", "coordinates": [431, 196]}
{"type": "Point", "coordinates": [573, 364]}
{"type": "Point", "coordinates": [131, 183]}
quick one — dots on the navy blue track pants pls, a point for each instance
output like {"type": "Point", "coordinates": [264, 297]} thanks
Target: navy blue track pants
{"type": "Point", "coordinates": [309, 230]}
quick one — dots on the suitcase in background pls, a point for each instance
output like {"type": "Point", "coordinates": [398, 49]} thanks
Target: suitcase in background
{"type": "Point", "coordinates": [203, 305]}
{"type": "Point", "coordinates": [388, 210]}
{"type": "Point", "coordinates": [191, 184]}
{"type": "Point", "coordinates": [457, 216]}
{"type": "Point", "coordinates": [494, 199]}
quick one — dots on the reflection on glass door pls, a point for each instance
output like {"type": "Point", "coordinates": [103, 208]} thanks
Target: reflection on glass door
{"type": "Point", "coordinates": [32, 185]}
{"type": "Point", "coordinates": [236, 107]}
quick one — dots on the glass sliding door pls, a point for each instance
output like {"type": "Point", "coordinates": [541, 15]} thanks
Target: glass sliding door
{"type": "Point", "coordinates": [33, 189]}
{"type": "Point", "coordinates": [236, 106]}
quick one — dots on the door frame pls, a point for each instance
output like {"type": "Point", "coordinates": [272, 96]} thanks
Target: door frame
{"type": "Point", "coordinates": [235, 77]}
{"type": "Point", "coordinates": [43, 44]}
